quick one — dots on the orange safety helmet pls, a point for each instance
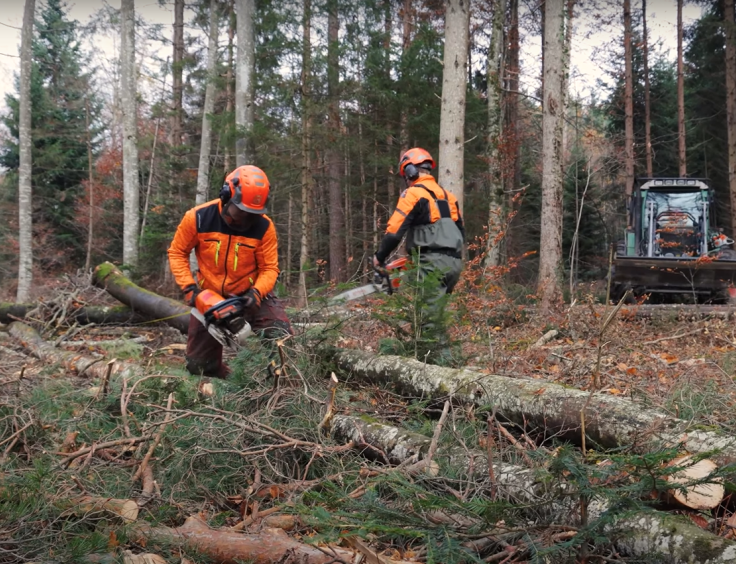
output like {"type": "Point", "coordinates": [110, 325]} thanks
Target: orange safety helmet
{"type": "Point", "coordinates": [247, 188]}
{"type": "Point", "coordinates": [414, 157]}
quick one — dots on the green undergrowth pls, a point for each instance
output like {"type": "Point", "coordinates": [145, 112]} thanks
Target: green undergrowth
{"type": "Point", "coordinates": [250, 442]}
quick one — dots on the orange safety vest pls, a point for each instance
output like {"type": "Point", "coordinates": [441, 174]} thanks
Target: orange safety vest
{"type": "Point", "coordinates": [230, 262]}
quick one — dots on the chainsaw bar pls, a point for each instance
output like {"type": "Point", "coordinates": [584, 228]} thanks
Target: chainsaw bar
{"type": "Point", "coordinates": [223, 336]}
{"type": "Point", "coordinates": [356, 293]}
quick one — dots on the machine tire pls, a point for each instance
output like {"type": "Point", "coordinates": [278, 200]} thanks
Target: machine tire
{"type": "Point", "coordinates": [621, 248]}
{"type": "Point", "coordinates": [727, 254]}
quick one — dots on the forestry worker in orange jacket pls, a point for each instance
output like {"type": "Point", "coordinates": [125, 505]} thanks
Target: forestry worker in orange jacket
{"type": "Point", "coordinates": [237, 254]}
{"type": "Point", "coordinates": [430, 218]}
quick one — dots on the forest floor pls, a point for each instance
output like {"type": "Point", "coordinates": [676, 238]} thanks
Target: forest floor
{"type": "Point", "coordinates": [230, 453]}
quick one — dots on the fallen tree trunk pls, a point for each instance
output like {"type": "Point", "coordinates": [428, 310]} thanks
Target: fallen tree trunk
{"type": "Point", "coordinates": [610, 421]}
{"type": "Point", "coordinates": [140, 300]}
{"type": "Point", "coordinates": [513, 483]}
{"type": "Point", "coordinates": [667, 538]}
{"type": "Point", "coordinates": [99, 315]}
{"type": "Point", "coordinates": [227, 547]}
{"type": "Point", "coordinates": [93, 366]}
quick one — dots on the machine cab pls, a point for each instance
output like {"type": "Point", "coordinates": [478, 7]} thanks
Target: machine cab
{"type": "Point", "coordinates": [671, 219]}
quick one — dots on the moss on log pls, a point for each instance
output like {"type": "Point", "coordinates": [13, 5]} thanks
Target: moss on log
{"type": "Point", "coordinates": [140, 300]}
{"type": "Point", "coordinates": [610, 421]}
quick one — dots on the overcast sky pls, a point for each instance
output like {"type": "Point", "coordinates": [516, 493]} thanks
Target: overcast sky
{"type": "Point", "coordinates": [661, 20]}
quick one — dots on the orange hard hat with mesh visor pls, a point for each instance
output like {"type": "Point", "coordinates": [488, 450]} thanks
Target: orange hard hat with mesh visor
{"type": "Point", "coordinates": [249, 188]}
{"type": "Point", "coordinates": [415, 156]}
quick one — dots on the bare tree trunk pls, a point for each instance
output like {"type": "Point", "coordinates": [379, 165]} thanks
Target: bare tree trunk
{"type": "Point", "coordinates": [306, 179]}
{"type": "Point", "coordinates": [91, 187]}
{"type": "Point", "coordinates": [647, 105]}
{"type": "Point", "coordinates": [177, 72]}
{"type": "Point", "coordinates": [511, 123]}
{"type": "Point", "coordinates": [334, 169]}
{"type": "Point", "coordinates": [407, 14]}
{"type": "Point", "coordinates": [25, 142]}
{"type": "Point", "coordinates": [245, 81]}
{"type": "Point", "coordinates": [392, 156]}
{"type": "Point", "coordinates": [452, 116]}
{"type": "Point", "coordinates": [203, 174]}
{"type": "Point", "coordinates": [131, 183]}
{"type": "Point", "coordinates": [680, 96]}
{"type": "Point", "coordinates": [628, 102]}
{"type": "Point", "coordinates": [730, 29]}
{"type": "Point", "coordinates": [495, 122]}
{"type": "Point", "coordinates": [550, 248]}
{"type": "Point", "coordinates": [229, 78]}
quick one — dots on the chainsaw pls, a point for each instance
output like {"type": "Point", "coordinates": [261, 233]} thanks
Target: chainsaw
{"type": "Point", "coordinates": [223, 318]}
{"type": "Point", "coordinates": [385, 280]}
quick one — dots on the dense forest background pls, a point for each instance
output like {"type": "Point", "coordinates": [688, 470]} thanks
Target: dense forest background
{"type": "Point", "coordinates": [388, 97]}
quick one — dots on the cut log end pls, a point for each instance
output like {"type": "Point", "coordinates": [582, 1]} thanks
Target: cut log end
{"type": "Point", "coordinates": [699, 496]}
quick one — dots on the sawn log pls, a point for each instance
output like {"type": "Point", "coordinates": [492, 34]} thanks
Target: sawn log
{"type": "Point", "coordinates": [140, 300]}
{"type": "Point", "coordinates": [667, 538]}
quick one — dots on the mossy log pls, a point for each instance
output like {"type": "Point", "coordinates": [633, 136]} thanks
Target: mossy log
{"type": "Point", "coordinates": [83, 365]}
{"type": "Point", "coordinates": [99, 315]}
{"type": "Point", "coordinates": [610, 421]}
{"type": "Point", "coordinates": [666, 538]}
{"type": "Point", "coordinates": [140, 300]}
{"type": "Point", "coordinates": [227, 547]}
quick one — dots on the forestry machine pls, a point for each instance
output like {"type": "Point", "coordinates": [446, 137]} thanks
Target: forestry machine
{"type": "Point", "coordinates": [671, 244]}
{"type": "Point", "coordinates": [223, 318]}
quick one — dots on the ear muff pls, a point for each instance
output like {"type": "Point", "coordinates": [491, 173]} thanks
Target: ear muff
{"type": "Point", "coordinates": [411, 171]}
{"type": "Point", "coordinates": [226, 193]}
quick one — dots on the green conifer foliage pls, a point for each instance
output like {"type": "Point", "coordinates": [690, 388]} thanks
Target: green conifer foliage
{"type": "Point", "coordinates": [62, 91]}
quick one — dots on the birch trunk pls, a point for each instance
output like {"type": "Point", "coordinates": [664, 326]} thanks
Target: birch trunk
{"type": "Point", "coordinates": [177, 72]}
{"type": "Point", "coordinates": [25, 143]}
{"type": "Point", "coordinates": [495, 123]}
{"type": "Point", "coordinates": [332, 154]}
{"type": "Point", "coordinates": [682, 158]}
{"type": "Point", "coordinates": [550, 248]}
{"type": "Point", "coordinates": [514, 483]}
{"type": "Point", "coordinates": [131, 183]}
{"type": "Point", "coordinates": [628, 103]}
{"type": "Point", "coordinates": [452, 116]}
{"type": "Point", "coordinates": [730, 29]}
{"type": "Point", "coordinates": [610, 421]}
{"type": "Point", "coordinates": [306, 177]}
{"type": "Point", "coordinates": [647, 105]}
{"type": "Point", "coordinates": [245, 80]}
{"type": "Point", "coordinates": [203, 174]}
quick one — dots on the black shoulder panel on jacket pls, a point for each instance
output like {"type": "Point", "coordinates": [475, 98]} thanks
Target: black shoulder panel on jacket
{"type": "Point", "coordinates": [209, 220]}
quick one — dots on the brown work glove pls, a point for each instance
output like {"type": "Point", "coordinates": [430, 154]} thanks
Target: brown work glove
{"type": "Point", "coordinates": [252, 299]}
{"type": "Point", "coordinates": [190, 294]}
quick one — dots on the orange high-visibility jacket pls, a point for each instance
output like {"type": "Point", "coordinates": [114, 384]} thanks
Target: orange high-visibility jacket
{"type": "Point", "coordinates": [230, 262]}
{"type": "Point", "coordinates": [418, 206]}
